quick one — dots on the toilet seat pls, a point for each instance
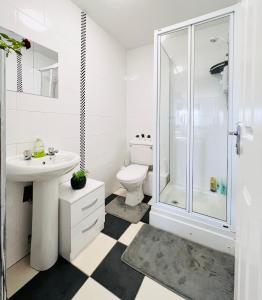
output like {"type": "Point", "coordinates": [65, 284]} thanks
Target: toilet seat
{"type": "Point", "coordinates": [132, 173]}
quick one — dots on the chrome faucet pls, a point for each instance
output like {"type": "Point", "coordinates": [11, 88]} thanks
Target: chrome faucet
{"type": "Point", "coordinates": [27, 154]}
{"type": "Point", "coordinates": [52, 151]}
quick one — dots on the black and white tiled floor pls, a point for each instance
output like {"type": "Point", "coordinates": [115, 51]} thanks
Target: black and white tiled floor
{"type": "Point", "coordinates": [106, 277]}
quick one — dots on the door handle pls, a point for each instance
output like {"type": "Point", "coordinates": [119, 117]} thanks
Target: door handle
{"type": "Point", "coordinates": [90, 205]}
{"type": "Point", "coordinates": [89, 227]}
{"type": "Point", "coordinates": [237, 133]}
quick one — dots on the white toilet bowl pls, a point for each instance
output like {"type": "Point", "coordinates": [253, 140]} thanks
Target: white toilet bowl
{"type": "Point", "coordinates": [132, 178]}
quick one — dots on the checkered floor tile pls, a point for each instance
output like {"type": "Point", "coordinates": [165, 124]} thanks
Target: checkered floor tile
{"type": "Point", "coordinates": [107, 277]}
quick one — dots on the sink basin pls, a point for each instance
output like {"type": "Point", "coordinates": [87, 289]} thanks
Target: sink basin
{"type": "Point", "coordinates": [44, 173]}
{"type": "Point", "coordinates": [38, 169]}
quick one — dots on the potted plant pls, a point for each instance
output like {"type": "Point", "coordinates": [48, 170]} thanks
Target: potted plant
{"type": "Point", "coordinates": [78, 180]}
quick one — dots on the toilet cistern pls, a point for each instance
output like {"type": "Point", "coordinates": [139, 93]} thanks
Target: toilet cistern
{"type": "Point", "coordinates": [133, 176]}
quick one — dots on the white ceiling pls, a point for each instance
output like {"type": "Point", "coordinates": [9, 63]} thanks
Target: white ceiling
{"type": "Point", "coordinates": [132, 22]}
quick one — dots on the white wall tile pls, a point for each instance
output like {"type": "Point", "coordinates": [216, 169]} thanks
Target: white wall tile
{"type": "Point", "coordinates": [20, 148]}
{"type": "Point", "coordinates": [11, 98]}
{"type": "Point", "coordinates": [32, 8]}
{"type": "Point", "coordinates": [11, 150]}
{"type": "Point", "coordinates": [30, 28]}
{"type": "Point", "coordinates": [106, 106]}
{"type": "Point", "coordinates": [29, 102]}
{"type": "Point", "coordinates": [11, 125]}
{"type": "Point", "coordinates": [139, 91]}
{"type": "Point", "coordinates": [7, 15]}
{"type": "Point", "coordinates": [27, 126]}
{"type": "Point", "coordinates": [64, 16]}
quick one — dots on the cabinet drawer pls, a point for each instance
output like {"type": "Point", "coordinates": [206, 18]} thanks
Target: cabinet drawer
{"type": "Point", "coordinates": [86, 205]}
{"type": "Point", "coordinates": [86, 231]}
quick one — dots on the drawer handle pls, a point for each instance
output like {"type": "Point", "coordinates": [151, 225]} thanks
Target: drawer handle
{"type": "Point", "coordinates": [90, 205]}
{"type": "Point", "coordinates": [89, 227]}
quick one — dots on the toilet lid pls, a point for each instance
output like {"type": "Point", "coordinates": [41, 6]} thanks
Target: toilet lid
{"type": "Point", "coordinates": [132, 173]}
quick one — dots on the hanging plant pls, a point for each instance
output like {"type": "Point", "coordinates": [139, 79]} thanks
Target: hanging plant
{"type": "Point", "coordinates": [9, 44]}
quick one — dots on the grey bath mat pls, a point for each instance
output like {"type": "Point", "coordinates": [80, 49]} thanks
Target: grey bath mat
{"type": "Point", "coordinates": [189, 269]}
{"type": "Point", "coordinates": [118, 208]}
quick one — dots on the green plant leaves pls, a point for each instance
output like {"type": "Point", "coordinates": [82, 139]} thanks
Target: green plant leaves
{"type": "Point", "coordinates": [4, 35]}
{"type": "Point", "coordinates": [80, 174]}
{"type": "Point", "coordinates": [9, 44]}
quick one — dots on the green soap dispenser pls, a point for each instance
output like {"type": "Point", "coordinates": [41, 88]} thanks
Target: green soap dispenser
{"type": "Point", "coordinates": [39, 148]}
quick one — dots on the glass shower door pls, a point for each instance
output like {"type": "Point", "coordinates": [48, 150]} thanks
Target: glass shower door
{"type": "Point", "coordinates": [173, 113]}
{"type": "Point", "coordinates": [210, 118]}
{"type": "Point", "coordinates": [195, 112]}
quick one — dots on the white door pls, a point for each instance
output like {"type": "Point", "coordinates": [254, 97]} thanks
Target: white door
{"type": "Point", "coordinates": [249, 188]}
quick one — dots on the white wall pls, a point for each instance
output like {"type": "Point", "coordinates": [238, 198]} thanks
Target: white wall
{"type": "Point", "coordinates": [56, 25]}
{"type": "Point", "coordinates": [106, 106]}
{"type": "Point", "coordinates": [140, 98]}
{"type": "Point", "coordinates": [139, 89]}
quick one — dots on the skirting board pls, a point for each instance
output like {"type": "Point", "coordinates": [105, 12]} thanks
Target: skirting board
{"type": "Point", "coordinates": [217, 239]}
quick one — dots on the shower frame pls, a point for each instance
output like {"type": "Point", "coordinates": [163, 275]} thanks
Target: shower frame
{"type": "Point", "coordinates": [188, 216]}
{"type": "Point", "coordinates": [3, 172]}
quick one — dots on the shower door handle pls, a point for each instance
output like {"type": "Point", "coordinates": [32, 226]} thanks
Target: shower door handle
{"type": "Point", "coordinates": [237, 133]}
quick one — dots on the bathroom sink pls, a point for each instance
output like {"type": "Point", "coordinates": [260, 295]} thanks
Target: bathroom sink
{"type": "Point", "coordinates": [44, 173]}
{"type": "Point", "coordinates": [38, 169]}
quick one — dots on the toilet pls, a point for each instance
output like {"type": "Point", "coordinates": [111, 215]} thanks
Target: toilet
{"type": "Point", "coordinates": [132, 177]}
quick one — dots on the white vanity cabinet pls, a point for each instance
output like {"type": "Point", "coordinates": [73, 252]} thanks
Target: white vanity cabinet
{"type": "Point", "coordinates": [81, 216]}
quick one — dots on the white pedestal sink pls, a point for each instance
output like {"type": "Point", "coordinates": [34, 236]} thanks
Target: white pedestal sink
{"type": "Point", "coordinates": [44, 173]}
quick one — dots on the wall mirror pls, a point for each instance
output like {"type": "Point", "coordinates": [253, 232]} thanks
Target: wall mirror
{"type": "Point", "coordinates": [35, 72]}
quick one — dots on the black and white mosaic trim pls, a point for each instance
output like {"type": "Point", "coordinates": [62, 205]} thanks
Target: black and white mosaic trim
{"type": "Point", "coordinates": [83, 93]}
{"type": "Point", "coordinates": [19, 70]}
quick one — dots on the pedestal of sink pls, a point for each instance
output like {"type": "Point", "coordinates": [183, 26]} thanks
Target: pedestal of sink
{"type": "Point", "coordinates": [44, 244]}
{"type": "Point", "coordinates": [44, 172]}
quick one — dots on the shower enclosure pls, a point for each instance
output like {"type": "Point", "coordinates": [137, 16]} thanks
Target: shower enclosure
{"type": "Point", "coordinates": [194, 142]}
